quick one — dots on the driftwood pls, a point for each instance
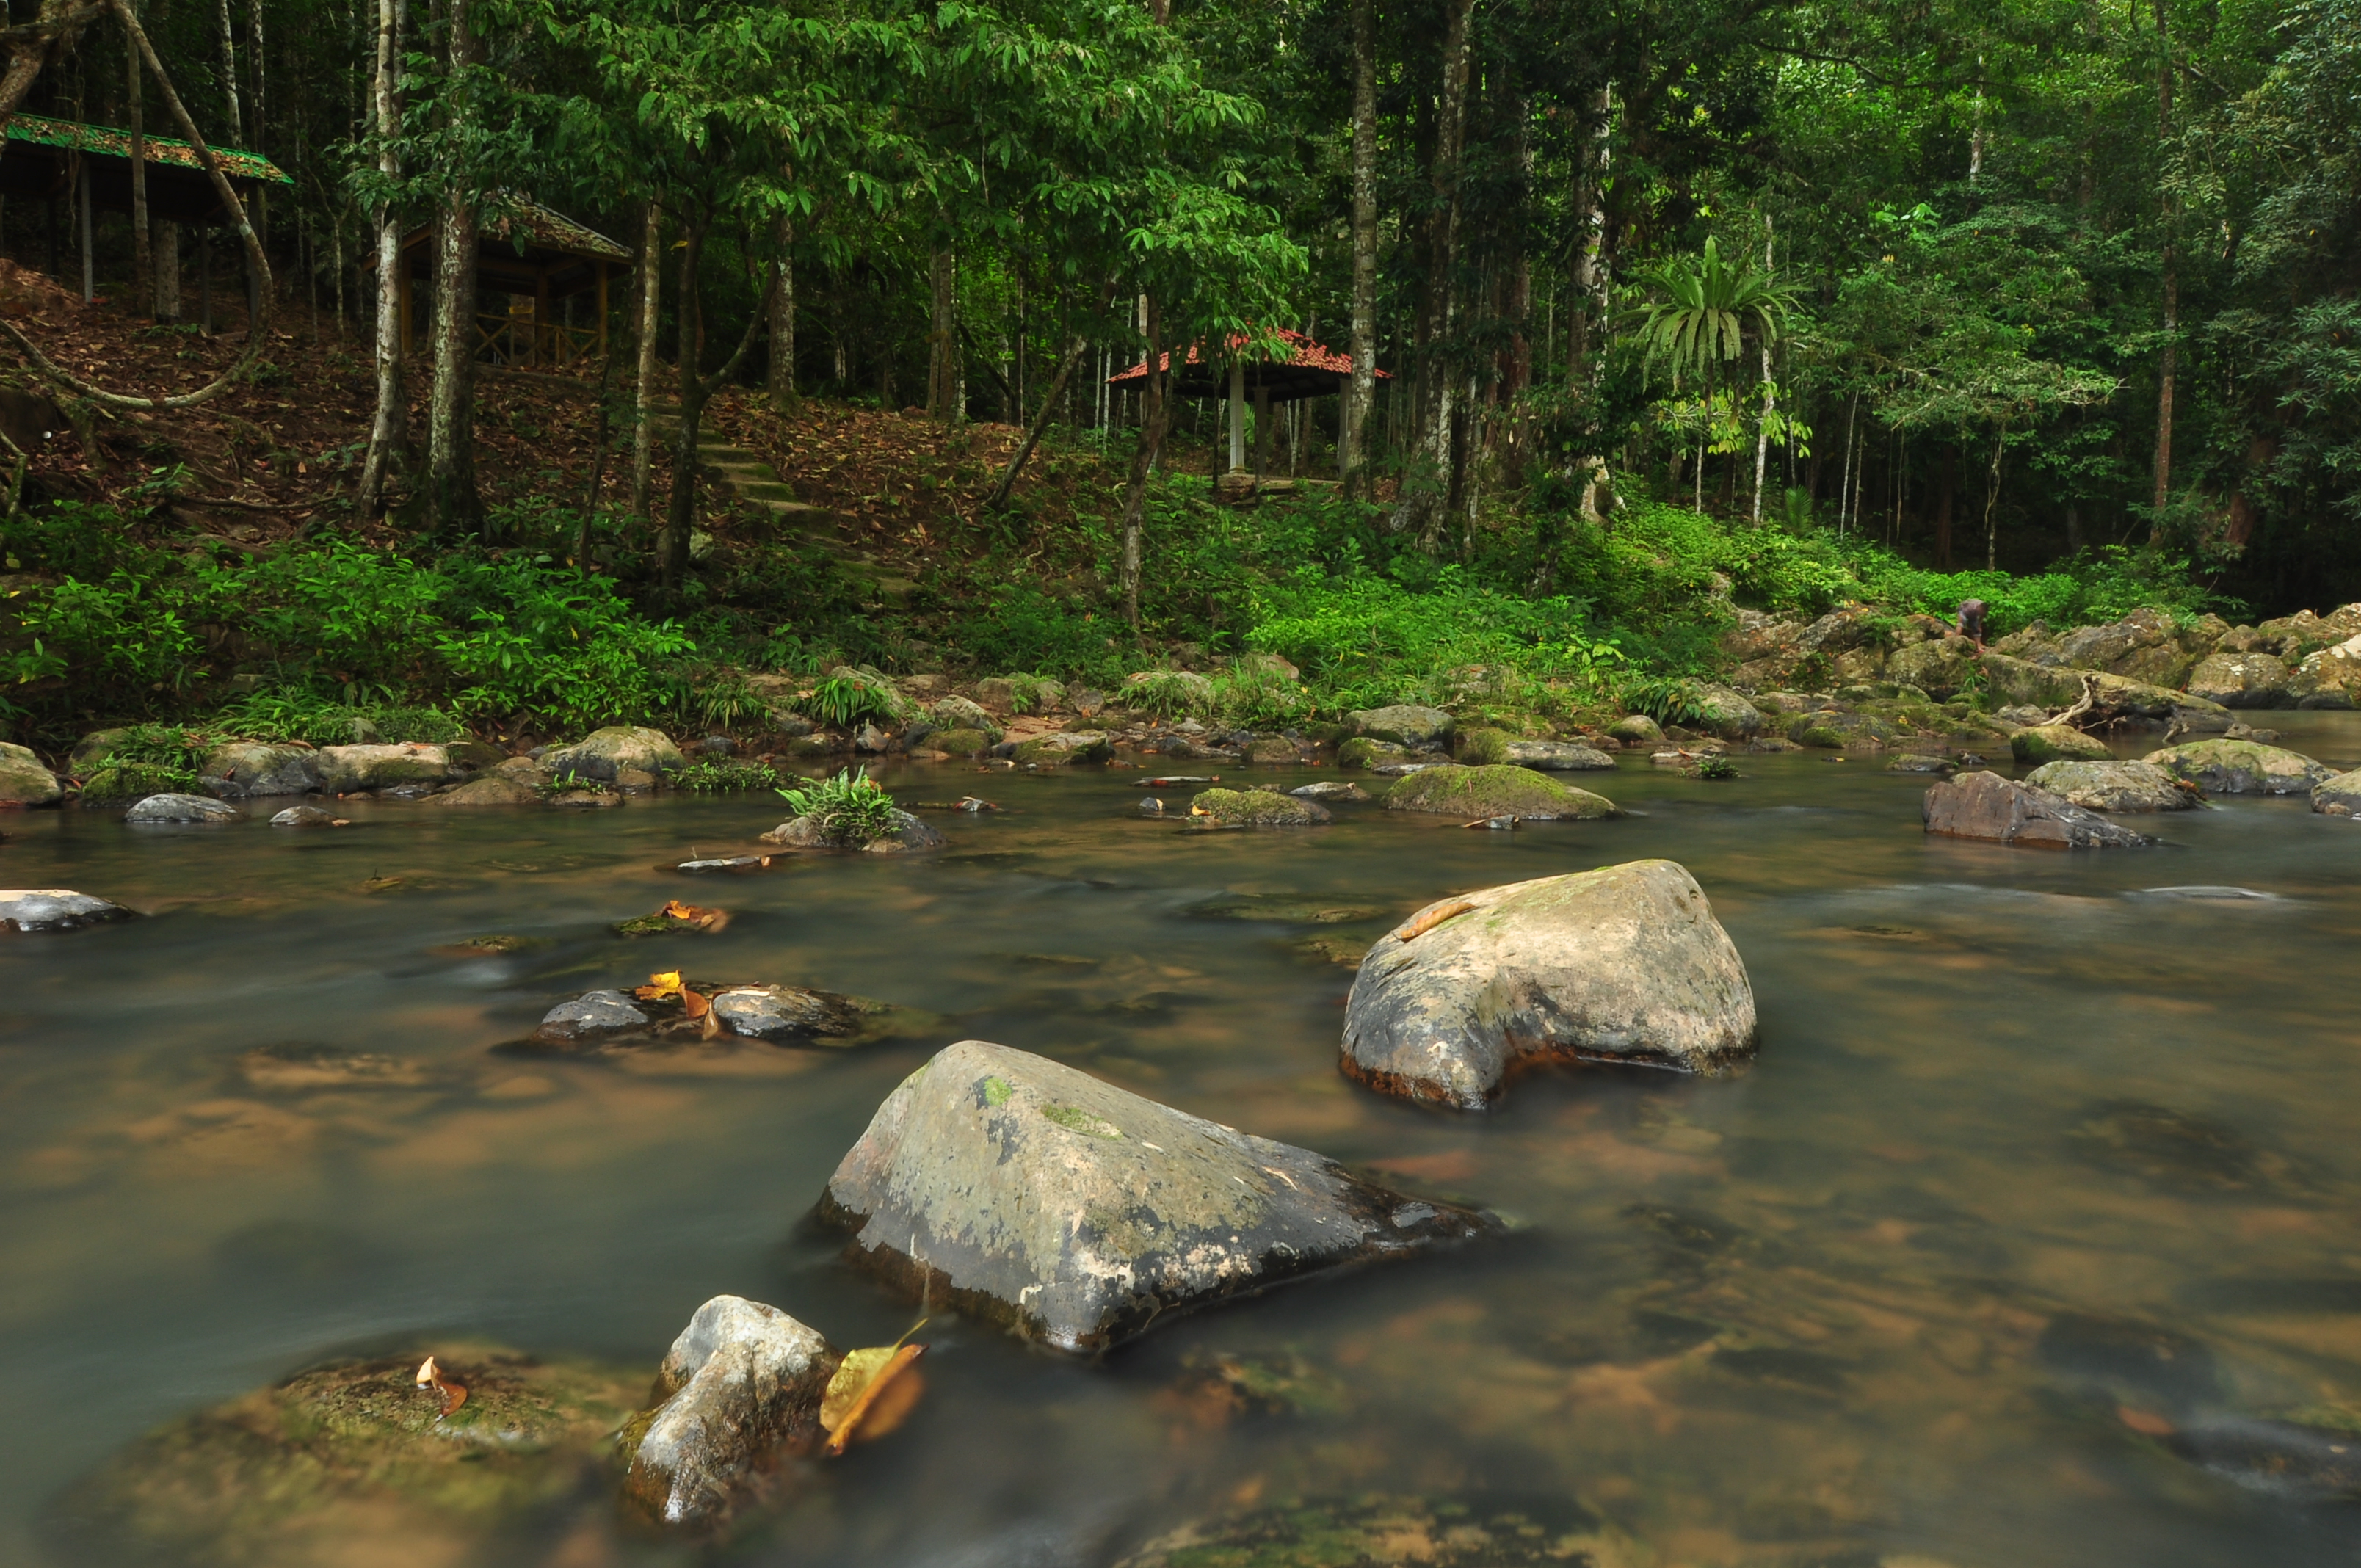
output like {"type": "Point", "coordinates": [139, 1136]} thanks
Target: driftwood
{"type": "Point", "coordinates": [2083, 705]}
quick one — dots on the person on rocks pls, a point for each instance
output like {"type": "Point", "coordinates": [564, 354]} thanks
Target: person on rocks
{"type": "Point", "coordinates": [1971, 622]}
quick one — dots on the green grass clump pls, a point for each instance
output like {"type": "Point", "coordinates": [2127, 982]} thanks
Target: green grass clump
{"type": "Point", "coordinates": [850, 697]}
{"type": "Point", "coordinates": [137, 781]}
{"type": "Point", "coordinates": [721, 776]}
{"type": "Point", "coordinates": [851, 809]}
{"type": "Point", "coordinates": [1169, 694]}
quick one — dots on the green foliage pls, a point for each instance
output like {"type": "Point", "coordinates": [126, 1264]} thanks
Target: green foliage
{"type": "Point", "coordinates": [135, 781]}
{"type": "Point", "coordinates": [844, 700]}
{"type": "Point", "coordinates": [721, 776]}
{"type": "Point", "coordinates": [1029, 693]}
{"type": "Point", "coordinates": [851, 809]}
{"type": "Point", "coordinates": [322, 721]}
{"type": "Point", "coordinates": [1261, 699]}
{"type": "Point", "coordinates": [1714, 766]}
{"type": "Point", "coordinates": [1167, 693]}
{"type": "Point", "coordinates": [1665, 699]}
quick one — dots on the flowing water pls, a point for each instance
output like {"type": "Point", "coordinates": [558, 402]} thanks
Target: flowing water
{"type": "Point", "coordinates": [2037, 1165]}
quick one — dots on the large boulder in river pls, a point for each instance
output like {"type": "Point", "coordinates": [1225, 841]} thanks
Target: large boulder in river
{"type": "Point", "coordinates": [1404, 724]}
{"type": "Point", "coordinates": [1020, 1190]}
{"type": "Point", "coordinates": [353, 1456]}
{"type": "Point", "coordinates": [1555, 756]}
{"type": "Point", "coordinates": [2053, 688]}
{"type": "Point", "coordinates": [2056, 743]}
{"type": "Point", "coordinates": [54, 909]}
{"type": "Point", "coordinates": [2241, 680]}
{"type": "Point", "coordinates": [180, 808]}
{"type": "Point", "coordinates": [2329, 677]}
{"type": "Point", "coordinates": [350, 769]}
{"type": "Point", "coordinates": [24, 781]}
{"type": "Point", "coordinates": [492, 789]}
{"type": "Point", "coordinates": [742, 1384]}
{"type": "Point", "coordinates": [606, 754]}
{"type": "Point", "coordinates": [1635, 729]}
{"type": "Point", "coordinates": [238, 770]}
{"type": "Point", "coordinates": [2115, 786]}
{"type": "Point", "coordinates": [2241, 767]}
{"type": "Point", "coordinates": [2339, 796]}
{"type": "Point", "coordinates": [2148, 645]}
{"type": "Point", "coordinates": [1987, 805]}
{"type": "Point", "coordinates": [1502, 790]}
{"type": "Point", "coordinates": [1720, 711]}
{"type": "Point", "coordinates": [1063, 747]}
{"type": "Point", "coordinates": [1624, 964]}
{"type": "Point", "coordinates": [1938, 666]}
{"type": "Point", "coordinates": [1256, 808]}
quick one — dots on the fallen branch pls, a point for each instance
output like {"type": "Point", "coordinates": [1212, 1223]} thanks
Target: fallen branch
{"type": "Point", "coordinates": [255, 329]}
{"type": "Point", "coordinates": [2089, 700]}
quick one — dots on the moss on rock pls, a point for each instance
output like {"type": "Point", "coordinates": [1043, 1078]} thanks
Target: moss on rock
{"type": "Point", "coordinates": [1495, 791]}
{"type": "Point", "coordinates": [961, 742]}
{"type": "Point", "coordinates": [1367, 752]}
{"type": "Point", "coordinates": [1482, 747]}
{"type": "Point", "coordinates": [1257, 808]}
{"type": "Point", "coordinates": [2056, 743]}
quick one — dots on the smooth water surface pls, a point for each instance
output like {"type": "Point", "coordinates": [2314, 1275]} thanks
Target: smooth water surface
{"type": "Point", "coordinates": [1895, 1292]}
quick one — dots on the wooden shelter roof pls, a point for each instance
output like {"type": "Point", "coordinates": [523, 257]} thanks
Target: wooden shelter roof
{"type": "Point", "coordinates": [1311, 370]}
{"type": "Point", "coordinates": [36, 159]}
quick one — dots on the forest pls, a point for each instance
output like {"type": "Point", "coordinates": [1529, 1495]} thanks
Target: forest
{"type": "Point", "coordinates": [1890, 302]}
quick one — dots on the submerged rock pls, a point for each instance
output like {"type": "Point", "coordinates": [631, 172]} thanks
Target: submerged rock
{"type": "Point", "coordinates": [593, 1013]}
{"type": "Point", "coordinates": [1480, 1531]}
{"type": "Point", "coordinates": [242, 769]}
{"type": "Point", "coordinates": [1330, 789]}
{"type": "Point", "coordinates": [180, 808]}
{"type": "Point", "coordinates": [1020, 1190]}
{"type": "Point", "coordinates": [303, 816]}
{"type": "Point", "coordinates": [807, 833]}
{"type": "Point", "coordinates": [1257, 808]}
{"type": "Point", "coordinates": [24, 781]}
{"type": "Point", "coordinates": [2339, 796]}
{"type": "Point", "coordinates": [2115, 786]}
{"type": "Point", "coordinates": [2241, 767]}
{"type": "Point", "coordinates": [2055, 743]}
{"type": "Point", "coordinates": [1920, 762]}
{"type": "Point", "coordinates": [1987, 805]}
{"type": "Point", "coordinates": [1626, 964]}
{"type": "Point", "coordinates": [54, 909]}
{"type": "Point", "coordinates": [606, 754]}
{"type": "Point", "coordinates": [1498, 791]}
{"type": "Point", "coordinates": [740, 1385]}
{"type": "Point", "coordinates": [355, 1452]}
{"type": "Point", "coordinates": [1555, 756]}
{"type": "Point", "coordinates": [1405, 724]}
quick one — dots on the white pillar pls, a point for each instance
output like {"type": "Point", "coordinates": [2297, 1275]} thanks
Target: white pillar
{"type": "Point", "coordinates": [1237, 414]}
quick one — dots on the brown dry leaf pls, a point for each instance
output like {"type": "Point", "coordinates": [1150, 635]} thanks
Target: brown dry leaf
{"type": "Point", "coordinates": [1428, 919]}
{"type": "Point", "coordinates": [692, 914]}
{"type": "Point", "coordinates": [431, 1376]}
{"type": "Point", "coordinates": [694, 1005]}
{"type": "Point", "coordinates": [2145, 1423]}
{"type": "Point", "coordinates": [660, 986]}
{"type": "Point", "coordinates": [860, 1397]}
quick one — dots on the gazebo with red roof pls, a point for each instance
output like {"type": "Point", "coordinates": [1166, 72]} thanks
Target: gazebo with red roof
{"type": "Point", "coordinates": [1311, 370]}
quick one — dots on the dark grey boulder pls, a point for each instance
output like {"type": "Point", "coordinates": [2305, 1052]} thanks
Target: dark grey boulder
{"type": "Point", "coordinates": [238, 770]}
{"type": "Point", "coordinates": [784, 1012]}
{"type": "Point", "coordinates": [1626, 964]}
{"type": "Point", "coordinates": [592, 1014]}
{"type": "Point", "coordinates": [1019, 1189]}
{"type": "Point", "coordinates": [742, 1386]}
{"type": "Point", "coordinates": [54, 909]}
{"type": "Point", "coordinates": [1987, 805]}
{"type": "Point", "coordinates": [180, 808]}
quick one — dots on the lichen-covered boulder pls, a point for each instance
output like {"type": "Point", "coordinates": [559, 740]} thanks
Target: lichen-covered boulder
{"type": "Point", "coordinates": [180, 808]}
{"type": "Point", "coordinates": [2056, 742]}
{"type": "Point", "coordinates": [1022, 1190]}
{"type": "Point", "coordinates": [807, 833]}
{"type": "Point", "coordinates": [604, 754]}
{"type": "Point", "coordinates": [1636, 729]}
{"type": "Point", "coordinates": [961, 742]}
{"type": "Point", "coordinates": [1721, 711]}
{"type": "Point", "coordinates": [742, 1386]}
{"type": "Point", "coordinates": [2241, 680]}
{"type": "Point", "coordinates": [354, 1455]}
{"type": "Point", "coordinates": [1988, 806]}
{"type": "Point", "coordinates": [2148, 645]}
{"type": "Point", "coordinates": [240, 770]}
{"type": "Point", "coordinates": [492, 789]}
{"type": "Point", "coordinates": [1367, 752]}
{"type": "Point", "coordinates": [1405, 724]}
{"type": "Point", "coordinates": [1499, 791]}
{"type": "Point", "coordinates": [2328, 677]}
{"type": "Point", "coordinates": [959, 713]}
{"type": "Point", "coordinates": [2339, 796]}
{"type": "Point", "coordinates": [2241, 767]}
{"type": "Point", "coordinates": [24, 781]}
{"type": "Point", "coordinates": [1330, 789]}
{"type": "Point", "coordinates": [1624, 964]}
{"type": "Point", "coordinates": [1063, 747]}
{"type": "Point", "coordinates": [2115, 786]}
{"type": "Point", "coordinates": [2052, 687]}
{"type": "Point", "coordinates": [1555, 756]}
{"type": "Point", "coordinates": [54, 909]}
{"type": "Point", "coordinates": [349, 770]}
{"type": "Point", "coordinates": [2296, 637]}
{"type": "Point", "coordinates": [1257, 808]}
{"type": "Point", "coordinates": [1937, 666]}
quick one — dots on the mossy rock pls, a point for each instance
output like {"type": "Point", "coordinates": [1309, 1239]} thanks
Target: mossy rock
{"type": "Point", "coordinates": [1636, 729]}
{"type": "Point", "coordinates": [1495, 791]}
{"type": "Point", "coordinates": [1256, 808]}
{"type": "Point", "coordinates": [2242, 767]}
{"type": "Point", "coordinates": [1067, 746]}
{"type": "Point", "coordinates": [1483, 747]}
{"type": "Point", "coordinates": [1366, 752]}
{"type": "Point", "coordinates": [355, 1450]}
{"type": "Point", "coordinates": [2056, 743]}
{"type": "Point", "coordinates": [961, 742]}
{"type": "Point", "coordinates": [1484, 1532]}
{"type": "Point", "coordinates": [121, 782]}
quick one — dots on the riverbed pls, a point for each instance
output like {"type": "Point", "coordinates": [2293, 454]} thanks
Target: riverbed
{"type": "Point", "coordinates": [2046, 1161]}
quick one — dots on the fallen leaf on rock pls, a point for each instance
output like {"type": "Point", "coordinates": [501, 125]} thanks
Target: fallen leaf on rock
{"type": "Point", "coordinates": [2145, 1423]}
{"type": "Point", "coordinates": [660, 986]}
{"type": "Point", "coordinates": [1429, 919]}
{"type": "Point", "coordinates": [871, 1394]}
{"type": "Point", "coordinates": [431, 1376]}
{"type": "Point", "coordinates": [694, 1005]}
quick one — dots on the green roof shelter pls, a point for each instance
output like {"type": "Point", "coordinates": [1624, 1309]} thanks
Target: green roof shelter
{"type": "Point", "coordinates": [37, 160]}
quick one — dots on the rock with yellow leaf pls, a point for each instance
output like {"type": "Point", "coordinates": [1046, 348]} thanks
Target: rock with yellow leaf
{"type": "Point", "coordinates": [740, 1390]}
{"type": "Point", "coordinates": [1019, 1189]}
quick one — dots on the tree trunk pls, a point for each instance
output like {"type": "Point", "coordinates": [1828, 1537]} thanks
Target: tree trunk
{"type": "Point", "coordinates": [454, 503]}
{"type": "Point", "coordinates": [389, 450]}
{"type": "Point", "coordinates": [1588, 307]}
{"type": "Point", "coordinates": [681, 514]}
{"type": "Point", "coordinates": [164, 261]}
{"type": "Point", "coordinates": [2172, 279]}
{"type": "Point", "coordinates": [28, 57]}
{"type": "Point", "coordinates": [1426, 495]}
{"type": "Point", "coordinates": [1942, 507]}
{"type": "Point", "coordinates": [1076, 346]}
{"type": "Point", "coordinates": [1991, 503]}
{"type": "Point", "coordinates": [1362, 390]}
{"type": "Point", "coordinates": [781, 378]}
{"type": "Point", "coordinates": [648, 298]}
{"type": "Point", "coordinates": [1153, 419]}
{"type": "Point", "coordinates": [1762, 431]}
{"type": "Point", "coordinates": [231, 116]}
{"type": "Point", "coordinates": [943, 353]}
{"type": "Point", "coordinates": [135, 103]}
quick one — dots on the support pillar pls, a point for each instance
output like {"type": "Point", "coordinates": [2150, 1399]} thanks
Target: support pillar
{"type": "Point", "coordinates": [1262, 431]}
{"type": "Point", "coordinates": [1237, 415]}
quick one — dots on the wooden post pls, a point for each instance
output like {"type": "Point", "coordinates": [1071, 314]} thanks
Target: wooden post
{"type": "Point", "coordinates": [603, 311]}
{"type": "Point", "coordinates": [1237, 414]}
{"type": "Point", "coordinates": [540, 312]}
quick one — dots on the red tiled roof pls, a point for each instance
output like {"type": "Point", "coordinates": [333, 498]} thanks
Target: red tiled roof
{"type": "Point", "coordinates": [1309, 355]}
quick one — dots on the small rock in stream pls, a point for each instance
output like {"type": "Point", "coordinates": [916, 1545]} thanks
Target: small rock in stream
{"type": "Point", "coordinates": [1022, 1190]}
{"type": "Point", "coordinates": [1330, 789]}
{"type": "Point", "coordinates": [592, 1014]}
{"type": "Point", "coordinates": [54, 909]}
{"type": "Point", "coordinates": [180, 808]}
{"type": "Point", "coordinates": [307, 816]}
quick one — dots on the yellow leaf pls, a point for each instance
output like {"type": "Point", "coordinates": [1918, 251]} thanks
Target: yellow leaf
{"type": "Point", "coordinates": [660, 986]}
{"type": "Point", "coordinates": [430, 1375]}
{"type": "Point", "coordinates": [857, 1396]}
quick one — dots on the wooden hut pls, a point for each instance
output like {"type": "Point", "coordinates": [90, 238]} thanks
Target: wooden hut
{"type": "Point", "coordinates": [1312, 369]}
{"type": "Point", "coordinates": [540, 259]}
